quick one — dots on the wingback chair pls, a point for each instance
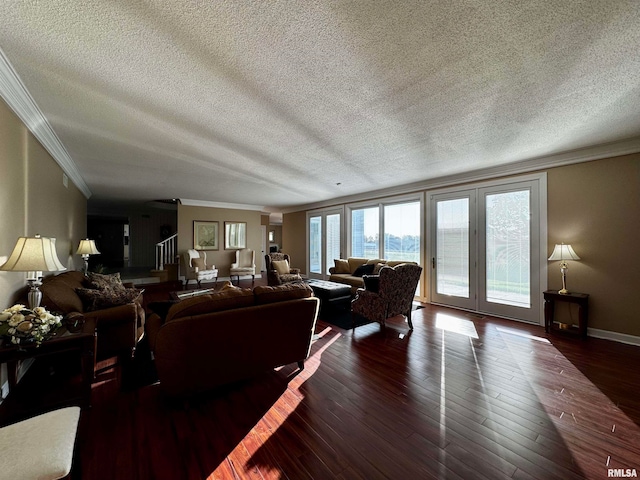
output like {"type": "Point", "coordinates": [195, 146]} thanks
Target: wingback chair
{"type": "Point", "coordinates": [280, 272]}
{"type": "Point", "coordinates": [245, 264]}
{"type": "Point", "coordinates": [196, 267]}
{"type": "Point", "coordinates": [396, 288]}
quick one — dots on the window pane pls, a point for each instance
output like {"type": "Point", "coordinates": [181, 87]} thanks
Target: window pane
{"type": "Point", "coordinates": [315, 244]}
{"type": "Point", "coordinates": [402, 232]}
{"type": "Point", "coordinates": [333, 240]}
{"type": "Point", "coordinates": [508, 248]}
{"type": "Point", "coordinates": [365, 231]}
{"type": "Point", "coordinates": [452, 247]}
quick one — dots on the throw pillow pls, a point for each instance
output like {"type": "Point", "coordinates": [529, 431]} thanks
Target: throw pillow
{"type": "Point", "coordinates": [371, 282]}
{"type": "Point", "coordinates": [341, 266]}
{"type": "Point", "coordinates": [280, 266]}
{"type": "Point", "coordinates": [111, 281]}
{"type": "Point", "coordinates": [94, 299]}
{"type": "Point", "coordinates": [198, 263]}
{"type": "Point", "coordinates": [376, 269]}
{"type": "Point", "coordinates": [366, 269]}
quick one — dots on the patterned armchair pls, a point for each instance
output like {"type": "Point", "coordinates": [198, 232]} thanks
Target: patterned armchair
{"type": "Point", "coordinates": [279, 273]}
{"type": "Point", "coordinates": [396, 288]}
{"type": "Point", "coordinates": [245, 264]}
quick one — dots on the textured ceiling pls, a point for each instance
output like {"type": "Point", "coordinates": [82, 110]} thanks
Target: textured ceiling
{"type": "Point", "coordinates": [274, 103]}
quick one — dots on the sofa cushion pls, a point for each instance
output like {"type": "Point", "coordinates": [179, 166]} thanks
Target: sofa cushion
{"type": "Point", "coordinates": [226, 299]}
{"type": "Point", "coordinates": [101, 281]}
{"type": "Point", "coordinates": [376, 260]}
{"type": "Point", "coordinates": [376, 269]}
{"type": "Point", "coordinates": [58, 292]}
{"type": "Point", "coordinates": [94, 299]}
{"type": "Point", "coordinates": [355, 262]}
{"type": "Point", "coordinates": [279, 293]}
{"type": "Point", "coordinates": [341, 266]}
{"type": "Point", "coordinates": [280, 266]}
{"type": "Point", "coordinates": [366, 269]}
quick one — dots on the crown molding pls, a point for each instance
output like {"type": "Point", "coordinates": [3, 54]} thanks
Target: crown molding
{"type": "Point", "coordinates": [14, 92]}
{"type": "Point", "coordinates": [234, 206]}
{"type": "Point", "coordinates": [596, 152]}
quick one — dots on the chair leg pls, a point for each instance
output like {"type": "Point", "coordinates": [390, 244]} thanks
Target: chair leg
{"type": "Point", "coordinates": [409, 319]}
{"type": "Point", "coordinates": [301, 364]}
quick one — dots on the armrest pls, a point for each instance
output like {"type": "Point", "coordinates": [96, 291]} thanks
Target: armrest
{"type": "Point", "coordinates": [115, 315]}
{"type": "Point", "coordinates": [294, 270]}
{"type": "Point", "coordinates": [152, 327]}
{"type": "Point", "coordinates": [234, 265]}
{"type": "Point", "coordinates": [332, 269]}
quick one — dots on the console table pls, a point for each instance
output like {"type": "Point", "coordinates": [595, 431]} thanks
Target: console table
{"type": "Point", "coordinates": [581, 299]}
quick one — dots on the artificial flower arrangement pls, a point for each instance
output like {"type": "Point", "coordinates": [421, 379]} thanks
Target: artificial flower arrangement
{"type": "Point", "coordinates": [24, 325]}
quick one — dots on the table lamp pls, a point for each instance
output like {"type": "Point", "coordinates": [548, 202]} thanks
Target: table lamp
{"type": "Point", "coordinates": [563, 253]}
{"type": "Point", "coordinates": [34, 255]}
{"type": "Point", "coordinates": [87, 247]}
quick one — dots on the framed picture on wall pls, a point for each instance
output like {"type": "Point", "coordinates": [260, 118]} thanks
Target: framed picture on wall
{"type": "Point", "coordinates": [235, 235]}
{"type": "Point", "coordinates": [205, 235]}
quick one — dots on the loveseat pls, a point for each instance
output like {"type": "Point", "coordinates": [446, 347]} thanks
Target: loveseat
{"type": "Point", "coordinates": [351, 270]}
{"type": "Point", "coordinates": [230, 335]}
{"type": "Point", "coordinates": [119, 327]}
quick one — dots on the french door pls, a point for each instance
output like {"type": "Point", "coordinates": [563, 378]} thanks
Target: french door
{"type": "Point", "coordinates": [486, 249]}
{"type": "Point", "coordinates": [324, 241]}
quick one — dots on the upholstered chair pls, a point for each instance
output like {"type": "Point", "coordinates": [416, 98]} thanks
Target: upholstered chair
{"type": "Point", "coordinates": [279, 270]}
{"type": "Point", "coordinates": [196, 267]}
{"type": "Point", "coordinates": [388, 294]}
{"type": "Point", "coordinates": [245, 264]}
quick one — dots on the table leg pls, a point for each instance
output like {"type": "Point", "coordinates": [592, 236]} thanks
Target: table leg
{"type": "Point", "coordinates": [548, 314]}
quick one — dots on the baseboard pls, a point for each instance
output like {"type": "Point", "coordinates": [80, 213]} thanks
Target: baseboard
{"type": "Point", "coordinates": [614, 336]}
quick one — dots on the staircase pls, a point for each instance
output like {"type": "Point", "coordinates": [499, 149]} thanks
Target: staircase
{"type": "Point", "coordinates": [167, 259]}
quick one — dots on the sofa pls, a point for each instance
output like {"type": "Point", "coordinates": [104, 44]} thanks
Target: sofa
{"type": "Point", "coordinates": [351, 270]}
{"type": "Point", "coordinates": [231, 335]}
{"type": "Point", "coordinates": [119, 317]}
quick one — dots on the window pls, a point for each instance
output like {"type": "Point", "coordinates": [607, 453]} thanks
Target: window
{"type": "Point", "coordinates": [365, 232]}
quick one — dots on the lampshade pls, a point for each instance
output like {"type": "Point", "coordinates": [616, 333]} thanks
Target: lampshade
{"type": "Point", "coordinates": [34, 254]}
{"type": "Point", "coordinates": [563, 252]}
{"type": "Point", "coordinates": [87, 247]}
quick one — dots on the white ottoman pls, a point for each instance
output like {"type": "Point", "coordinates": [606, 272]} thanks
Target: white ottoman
{"type": "Point", "coordinates": [40, 447]}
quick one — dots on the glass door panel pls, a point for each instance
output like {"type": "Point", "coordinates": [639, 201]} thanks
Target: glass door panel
{"type": "Point", "coordinates": [332, 244]}
{"type": "Point", "coordinates": [453, 278]}
{"type": "Point", "coordinates": [325, 241]}
{"type": "Point", "coordinates": [510, 221]}
{"type": "Point", "coordinates": [508, 253]}
{"type": "Point", "coordinates": [315, 245]}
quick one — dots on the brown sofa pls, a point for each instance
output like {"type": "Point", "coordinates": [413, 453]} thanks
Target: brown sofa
{"type": "Point", "coordinates": [231, 335]}
{"type": "Point", "coordinates": [119, 327]}
{"type": "Point", "coordinates": [344, 270]}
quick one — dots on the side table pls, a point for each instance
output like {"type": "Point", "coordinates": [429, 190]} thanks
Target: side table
{"type": "Point", "coordinates": [581, 299]}
{"type": "Point", "coordinates": [28, 395]}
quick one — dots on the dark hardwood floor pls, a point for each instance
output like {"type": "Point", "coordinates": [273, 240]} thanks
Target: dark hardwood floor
{"type": "Point", "coordinates": [460, 397]}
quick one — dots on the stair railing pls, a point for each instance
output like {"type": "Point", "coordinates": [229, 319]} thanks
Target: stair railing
{"type": "Point", "coordinates": [166, 251]}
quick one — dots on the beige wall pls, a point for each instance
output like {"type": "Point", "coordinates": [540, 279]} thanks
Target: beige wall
{"type": "Point", "coordinates": [221, 258]}
{"type": "Point", "coordinates": [294, 239]}
{"type": "Point", "coordinates": [34, 201]}
{"type": "Point", "coordinates": [594, 207]}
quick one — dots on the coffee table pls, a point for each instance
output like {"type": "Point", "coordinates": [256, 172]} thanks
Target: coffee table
{"type": "Point", "coordinates": [184, 294]}
{"type": "Point", "coordinates": [333, 296]}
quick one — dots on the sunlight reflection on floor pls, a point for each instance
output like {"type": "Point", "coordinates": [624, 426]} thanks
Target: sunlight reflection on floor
{"type": "Point", "coordinates": [456, 324]}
